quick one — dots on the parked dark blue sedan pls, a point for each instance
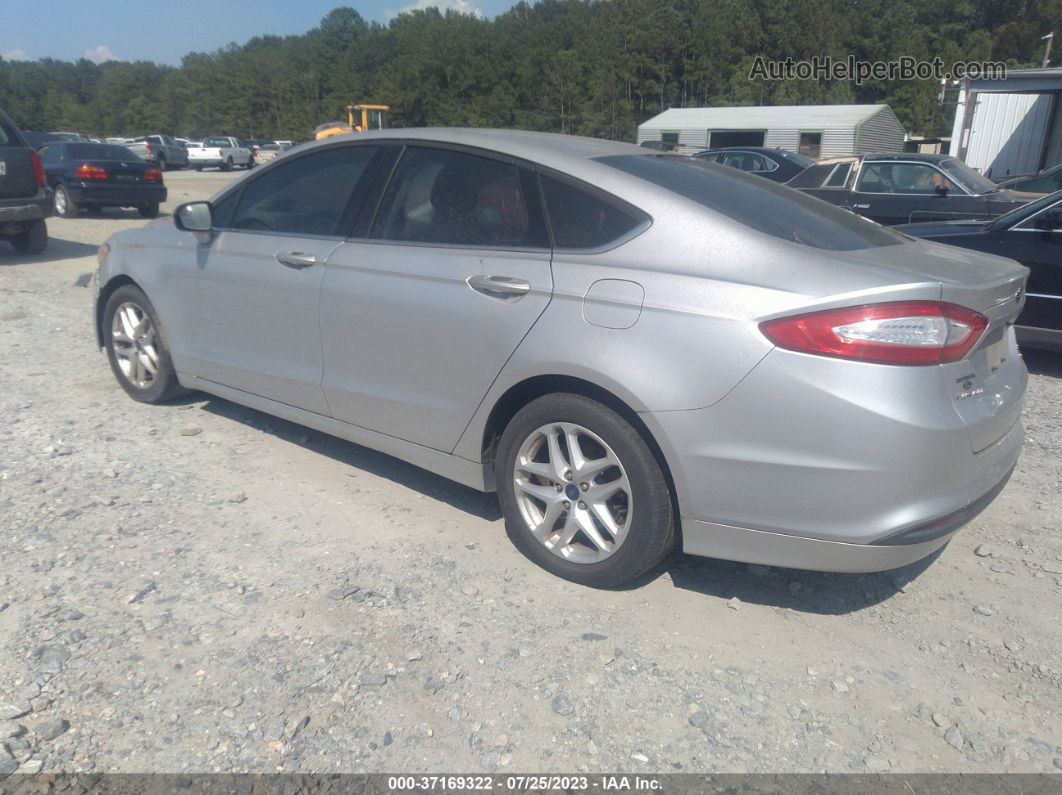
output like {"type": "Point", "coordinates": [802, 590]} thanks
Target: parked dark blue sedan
{"type": "Point", "coordinates": [92, 176]}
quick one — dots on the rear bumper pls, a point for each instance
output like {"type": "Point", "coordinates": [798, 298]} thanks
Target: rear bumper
{"type": "Point", "coordinates": [197, 163]}
{"type": "Point", "coordinates": [815, 554]}
{"type": "Point", "coordinates": [29, 208]}
{"type": "Point", "coordinates": [820, 464]}
{"type": "Point", "coordinates": [117, 195]}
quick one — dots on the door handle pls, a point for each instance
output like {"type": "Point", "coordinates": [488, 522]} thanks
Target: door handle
{"type": "Point", "coordinates": [296, 259]}
{"type": "Point", "coordinates": [499, 286]}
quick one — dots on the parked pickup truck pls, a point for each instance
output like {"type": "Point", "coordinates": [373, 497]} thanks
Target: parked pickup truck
{"type": "Point", "coordinates": [220, 152]}
{"type": "Point", "coordinates": [161, 150]}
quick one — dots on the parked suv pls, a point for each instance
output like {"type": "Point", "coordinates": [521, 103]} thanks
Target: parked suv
{"type": "Point", "coordinates": [24, 200]}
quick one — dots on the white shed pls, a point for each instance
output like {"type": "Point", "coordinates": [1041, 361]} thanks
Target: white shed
{"type": "Point", "coordinates": [818, 131]}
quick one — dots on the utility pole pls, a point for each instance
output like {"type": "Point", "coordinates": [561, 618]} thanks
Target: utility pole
{"type": "Point", "coordinates": [1049, 38]}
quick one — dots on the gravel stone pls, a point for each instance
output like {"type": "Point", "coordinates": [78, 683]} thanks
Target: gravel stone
{"type": "Point", "coordinates": [561, 705]}
{"type": "Point", "coordinates": [51, 729]}
{"type": "Point", "coordinates": [983, 610]}
{"type": "Point", "coordinates": [954, 738]}
{"type": "Point", "coordinates": [191, 430]}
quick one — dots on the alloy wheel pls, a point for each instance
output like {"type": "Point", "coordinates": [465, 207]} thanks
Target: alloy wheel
{"type": "Point", "coordinates": [572, 492]}
{"type": "Point", "coordinates": [133, 340]}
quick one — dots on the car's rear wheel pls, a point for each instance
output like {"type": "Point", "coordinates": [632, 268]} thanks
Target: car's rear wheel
{"type": "Point", "coordinates": [33, 240]}
{"type": "Point", "coordinates": [136, 347]}
{"type": "Point", "coordinates": [227, 165]}
{"type": "Point", "coordinates": [149, 211]}
{"type": "Point", "coordinates": [583, 495]}
{"type": "Point", "coordinates": [161, 163]}
{"type": "Point", "coordinates": [65, 207]}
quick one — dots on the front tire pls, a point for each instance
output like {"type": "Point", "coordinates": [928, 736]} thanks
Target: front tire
{"type": "Point", "coordinates": [136, 347]}
{"type": "Point", "coordinates": [64, 206]}
{"type": "Point", "coordinates": [150, 211]}
{"type": "Point", "coordinates": [33, 240]}
{"type": "Point", "coordinates": [583, 495]}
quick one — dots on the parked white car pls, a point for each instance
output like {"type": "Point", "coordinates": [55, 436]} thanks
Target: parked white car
{"type": "Point", "coordinates": [222, 152]}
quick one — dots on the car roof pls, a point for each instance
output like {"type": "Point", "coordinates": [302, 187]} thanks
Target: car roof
{"type": "Point", "coordinates": [919, 156]}
{"type": "Point", "coordinates": [563, 152]}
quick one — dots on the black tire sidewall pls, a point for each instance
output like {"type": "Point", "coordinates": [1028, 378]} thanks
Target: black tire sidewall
{"type": "Point", "coordinates": [165, 385]}
{"type": "Point", "coordinates": [651, 533]}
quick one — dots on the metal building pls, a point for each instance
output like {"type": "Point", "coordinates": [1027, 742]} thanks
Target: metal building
{"type": "Point", "coordinates": [1010, 126]}
{"type": "Point", "coordinates": [818, 131]}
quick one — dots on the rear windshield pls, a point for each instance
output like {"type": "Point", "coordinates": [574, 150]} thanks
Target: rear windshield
{"type": "Point", "coordinates": [8, 135]}
{"type": "Point", "coordinates": [813, 177]}
{"type": "Point", "coordinates": [98, 152]}
{"type": "Point", "coordinates": [795, 157]}
{"type": "Point", "coordinates": [222, 142]}
{"type": "Point", "coordinates": [758, 203]}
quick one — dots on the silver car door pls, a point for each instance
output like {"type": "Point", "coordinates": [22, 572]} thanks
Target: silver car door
{"type": "Point", "coordinates": [249, 297]}
{"type": "Point", "coordinates": [418, 320]}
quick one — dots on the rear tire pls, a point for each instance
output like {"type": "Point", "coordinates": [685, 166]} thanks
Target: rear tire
{"type": "Point", "coordinates": [161, 163]}
{"type": "Point", "coordinates": [198, 168]}
{"type": "Point", "coordinates": [227, 165]}
{"type": "Point", "coordinates": [636, 523]}
{"type": "Point", "coordinates": [33, 240]}
{"type": "Point", "coordinates": [137, 346]}
{"type": "Point", "coordinates": [65, 207]}
{"type": "Point", "coordinates": [151, 211]}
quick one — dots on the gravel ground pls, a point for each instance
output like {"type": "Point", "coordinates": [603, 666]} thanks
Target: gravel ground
{"type": "Point", "coordinates": [201, 587]}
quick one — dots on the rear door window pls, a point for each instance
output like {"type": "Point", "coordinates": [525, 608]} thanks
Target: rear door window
{"type": "Point", "coordinates": [583, 220]}
{"type": "Point", "coordinates": [455, 198]}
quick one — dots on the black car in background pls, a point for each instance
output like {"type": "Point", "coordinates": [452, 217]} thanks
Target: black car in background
{"type": "Point", "coordinates": [92, 176]}
{"type": "Point", "coordinates": [908, 188]}
{"type": "Point", "coordinates": [779, 165]}
{"type": "Point", "coordinates": [24, 198]}
{"type": "Point", "coordinates": [1047, 181]}
{"type": "Point", "coordinates": [1033, 236]}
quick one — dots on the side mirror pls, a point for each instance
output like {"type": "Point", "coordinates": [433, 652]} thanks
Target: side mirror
{"type": "Point", "coordinates": [194, 217]}
{"type": "Point", "coordinates": [942, 190]}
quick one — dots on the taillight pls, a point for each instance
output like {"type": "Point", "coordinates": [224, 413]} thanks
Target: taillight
{"type": "Point", "coordinates": [153, 175]}
{"type": "Point", "coordinates": [85, 171]}
{"type": "Point", "coordinates": [149, 149]}
{"type": "Point", "coordinates": [900, 332]}
{"type": "Point", "coordinates": [38, 168]}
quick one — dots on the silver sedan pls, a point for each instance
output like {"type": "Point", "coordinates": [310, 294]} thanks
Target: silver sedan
{"type": "Point", "coordinates": [635, 350]}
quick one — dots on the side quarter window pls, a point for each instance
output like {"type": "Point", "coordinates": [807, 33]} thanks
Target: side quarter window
{"type": "Point", "coordinates": [455, 198]}
{"type": "Point", "coordinates": [307, 195]}
{"type": "Point", "coordinates": [582, 220]}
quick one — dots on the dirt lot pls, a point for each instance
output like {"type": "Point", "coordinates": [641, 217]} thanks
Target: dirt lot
{"type": "Point", "coordinates": [200, 587]}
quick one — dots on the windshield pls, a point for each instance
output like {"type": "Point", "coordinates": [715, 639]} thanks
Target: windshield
{"type": "Point", "coordinates": [99, 152]}
{"type": "Point", "coordinates": [969, 178]}
{"type": "Point", "coordinates": [758, 203]}
{"type": "Point", "coordinates": [1023, 212]}
{"type": "Point", "coordinates": [216, 142]}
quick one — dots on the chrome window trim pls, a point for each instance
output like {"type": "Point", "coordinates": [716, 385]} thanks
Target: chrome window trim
{"type": "Point", "coordinates": [1020, 225]}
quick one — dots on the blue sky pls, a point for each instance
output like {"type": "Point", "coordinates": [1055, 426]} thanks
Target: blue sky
{"type": "Point", "coordinates": [164, 30]}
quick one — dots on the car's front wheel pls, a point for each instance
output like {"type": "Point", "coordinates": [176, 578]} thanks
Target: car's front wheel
{"type": "Point", "coordinates": [583, 495]}
{"type": "Point", "coordinates": [136, 348]}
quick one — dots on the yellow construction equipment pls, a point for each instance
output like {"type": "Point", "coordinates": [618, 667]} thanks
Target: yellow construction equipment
{"type": "Point", "coordinates": [369, 117]}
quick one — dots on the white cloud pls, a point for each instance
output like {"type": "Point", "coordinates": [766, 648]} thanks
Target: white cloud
{"type": "Point", "coordinates": [100, 54]}
{"type": "Point", "coordinates": [460, 6]}
{"type": "Point", "coordinates": [17, 54]}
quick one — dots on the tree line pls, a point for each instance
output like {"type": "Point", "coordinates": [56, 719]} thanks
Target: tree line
{"type": "Point", "coordinates": [588, 67]}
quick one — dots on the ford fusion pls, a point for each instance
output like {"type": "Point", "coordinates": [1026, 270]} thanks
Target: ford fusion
{"type": "Point", "coordinates": [634, 349]}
